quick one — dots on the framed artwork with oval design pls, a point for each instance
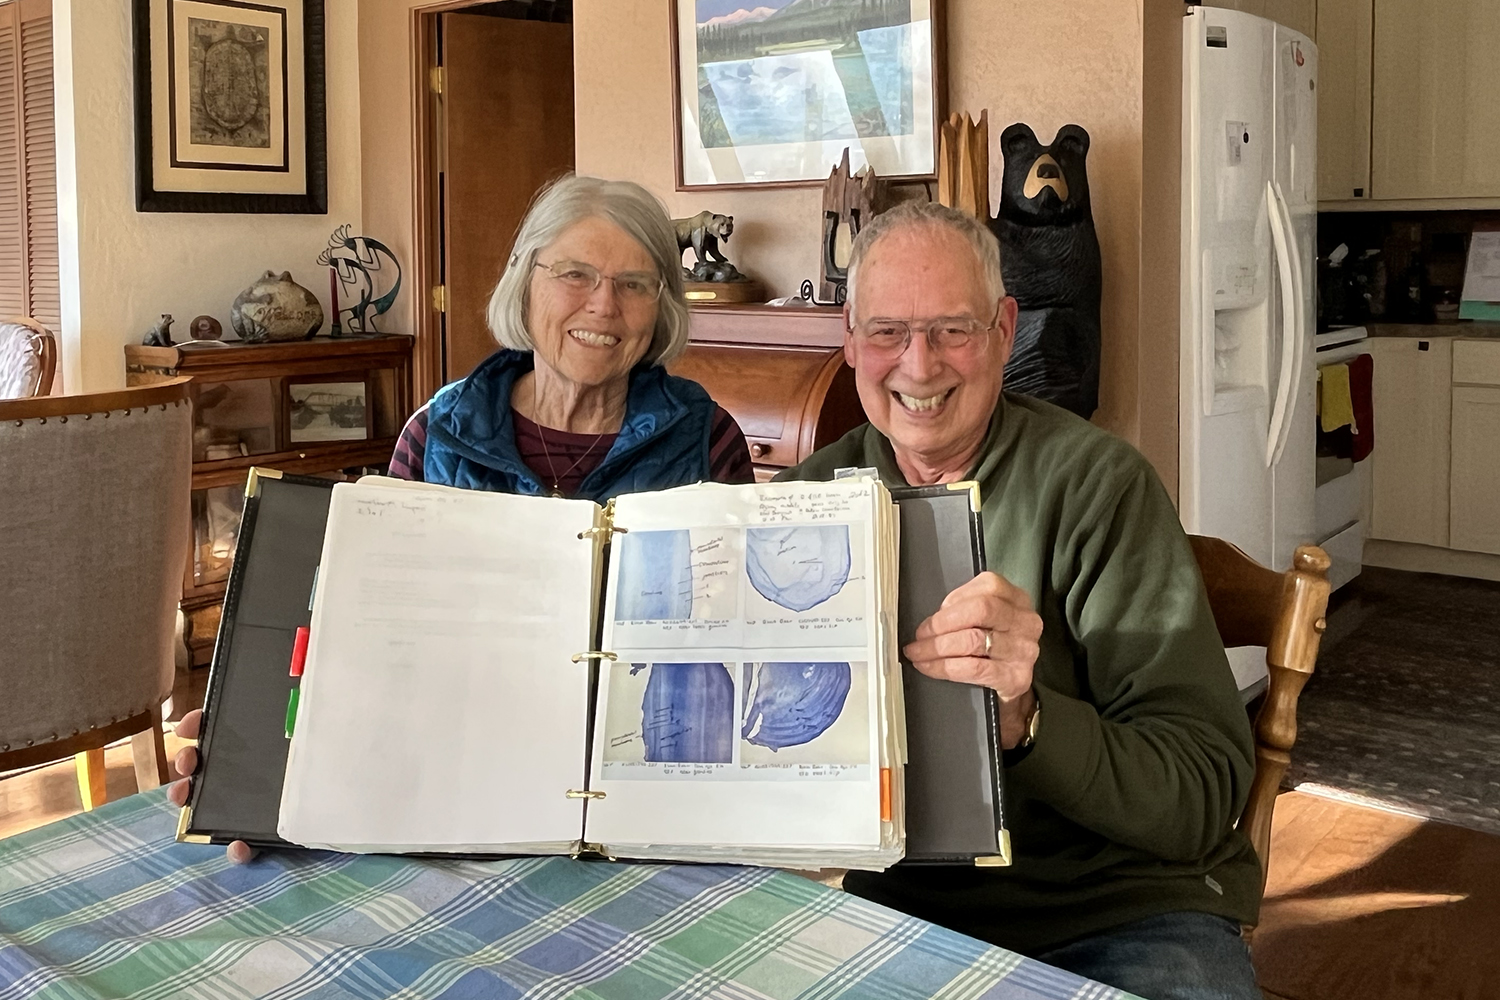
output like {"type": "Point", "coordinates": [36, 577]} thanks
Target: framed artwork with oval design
{"type": "Point", "coordinates": [229, 106]}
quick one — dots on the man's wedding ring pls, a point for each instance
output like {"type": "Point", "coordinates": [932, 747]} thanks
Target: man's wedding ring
{"type": "Point", "coordinates": [987, 643]}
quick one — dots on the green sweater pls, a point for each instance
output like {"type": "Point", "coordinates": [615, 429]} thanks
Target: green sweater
{"type": "Point", "coordinates": [1125, 806]}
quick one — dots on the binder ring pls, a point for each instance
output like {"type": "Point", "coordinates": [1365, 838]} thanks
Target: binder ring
{"type": "Point", "coordinates": [574, 793]}
{"type": "Point", "coordinates": [605, 530]}
{"type": "Point", "coordinates": [594, 654]}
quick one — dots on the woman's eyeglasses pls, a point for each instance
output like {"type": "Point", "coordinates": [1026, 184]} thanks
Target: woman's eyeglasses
{"type": "Point", "coordinates": [630, 286]}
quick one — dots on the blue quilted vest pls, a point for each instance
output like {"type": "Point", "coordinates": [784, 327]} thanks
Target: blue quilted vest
{"type": "Point", "coordinates": [663, 442]}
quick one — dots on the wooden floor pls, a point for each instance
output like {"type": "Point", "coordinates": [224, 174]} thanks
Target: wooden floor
{"type": "Point", "coordinates": [1376, 905]}
{"type": "Point", "coordinates": [37, 797]}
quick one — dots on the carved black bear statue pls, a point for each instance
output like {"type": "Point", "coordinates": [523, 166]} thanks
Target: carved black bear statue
{"type": "Point", "coordinates": [1049, 257]}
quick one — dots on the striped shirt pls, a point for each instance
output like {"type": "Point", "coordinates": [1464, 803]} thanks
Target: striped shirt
{"type": "Point", "coordinates": [565, 459]}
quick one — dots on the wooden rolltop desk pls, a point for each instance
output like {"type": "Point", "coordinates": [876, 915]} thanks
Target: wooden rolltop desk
{"type": "Point", "coordinates": [780, 372]}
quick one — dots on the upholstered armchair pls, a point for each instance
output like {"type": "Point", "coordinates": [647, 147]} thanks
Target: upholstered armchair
{"type": "Point", "coordinates": [94, 515]}
{"type": "Point", "coordinates": [28, 358]}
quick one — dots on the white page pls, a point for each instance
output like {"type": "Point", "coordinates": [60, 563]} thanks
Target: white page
{"type": "Point", "coordinates": [744, 706]}
{"type": "Point", "coordinates": [440, 709]}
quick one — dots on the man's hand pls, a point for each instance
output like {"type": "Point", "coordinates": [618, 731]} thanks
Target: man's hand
{"type": "Point", "coordinates": [186, 763]}
{"type": "Point", "coordinates": [987, 634]}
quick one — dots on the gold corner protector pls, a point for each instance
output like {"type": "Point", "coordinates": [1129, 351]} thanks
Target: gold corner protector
{"type": "Point", "coordinates": [185, 820]}
{"type": "Point", "coordinates": [973, 487]}
{"type": "Point", "coordinates": [255, 475]}
{"type": "Point", "coordinates": [1001, 860]}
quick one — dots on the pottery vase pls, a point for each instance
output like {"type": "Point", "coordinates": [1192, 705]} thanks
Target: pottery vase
{"type": "Point", "coordinates": [275, 308]}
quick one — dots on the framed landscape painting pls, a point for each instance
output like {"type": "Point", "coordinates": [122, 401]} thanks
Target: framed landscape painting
{"type": "Point", "coordinates": [229, 106]}
{"type": "Point", "coordinates": [771, 92]}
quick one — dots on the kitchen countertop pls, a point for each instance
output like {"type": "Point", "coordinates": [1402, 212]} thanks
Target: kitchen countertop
{"type": "Point", "coordinates": [1429, 331]}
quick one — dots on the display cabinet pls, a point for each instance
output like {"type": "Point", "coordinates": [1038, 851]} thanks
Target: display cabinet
{"type": "Point", "coordinates": [326, 406]}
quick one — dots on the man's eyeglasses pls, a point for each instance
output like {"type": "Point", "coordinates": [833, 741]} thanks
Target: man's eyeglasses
{"type": "Point", "coordinates": [891, 337]}
{"type": "Point", "coordinates": [630, 286]}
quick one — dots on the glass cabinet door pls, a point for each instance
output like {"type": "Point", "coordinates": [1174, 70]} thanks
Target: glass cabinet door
{"type": "Point", "coordinates": [234, 419]}
{"type": "Point", "coordinates": [216, 526]}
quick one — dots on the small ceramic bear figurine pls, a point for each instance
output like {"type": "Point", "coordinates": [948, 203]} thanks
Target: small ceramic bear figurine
{"type": "Point", "coordinates": [1049, 257]}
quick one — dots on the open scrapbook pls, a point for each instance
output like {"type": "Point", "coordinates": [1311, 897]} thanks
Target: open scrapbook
{"type": "Point", "coordinates": [708, 673]}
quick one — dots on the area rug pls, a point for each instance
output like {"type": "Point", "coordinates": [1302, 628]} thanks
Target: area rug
{"type": "Point", "coordinates": [1404, 707]}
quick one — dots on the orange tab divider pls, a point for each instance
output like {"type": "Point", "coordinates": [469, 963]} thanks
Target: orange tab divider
{"type": "Point", "coordinates": [299, 651]}
{"type": "Point", "coordinates": [885, 795]}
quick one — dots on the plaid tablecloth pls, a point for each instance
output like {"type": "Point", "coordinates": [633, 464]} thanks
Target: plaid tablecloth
{"type": "Point", "coordinates": [107, 905]}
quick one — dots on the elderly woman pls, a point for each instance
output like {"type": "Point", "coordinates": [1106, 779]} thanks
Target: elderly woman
{"type": "Point", "coordinates": [589, 309]}
{"type": "Point", "coordinates": [578, 403]}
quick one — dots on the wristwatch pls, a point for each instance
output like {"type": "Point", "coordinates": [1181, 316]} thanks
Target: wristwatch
{"type": "Point", "coordinates": [1033, 723]}
{"type": "Point", "coordinates": [1017, 753]}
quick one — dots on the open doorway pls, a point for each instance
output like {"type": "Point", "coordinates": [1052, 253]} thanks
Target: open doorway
{"type": "Point", "coordinates": [494, 125]}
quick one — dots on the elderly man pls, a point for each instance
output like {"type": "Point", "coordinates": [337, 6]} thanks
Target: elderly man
{"type": "Point", "coordinates": [1129, 754]}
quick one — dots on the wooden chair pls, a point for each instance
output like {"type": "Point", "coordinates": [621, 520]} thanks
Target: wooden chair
{"type": "Point", "coordinates": [1284, 612]}
{"type": "Point", "coordinates": [28, 358]}
{"type": "Point", "coordinates": [94, 496]}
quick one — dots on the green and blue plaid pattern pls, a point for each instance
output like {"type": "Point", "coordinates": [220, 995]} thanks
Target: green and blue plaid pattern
{"type": "Point", "coordinates": [108, 905]}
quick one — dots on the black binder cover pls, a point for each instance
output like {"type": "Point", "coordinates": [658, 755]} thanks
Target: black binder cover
{"type": "Point", "coordinates": [955, 810]}
{"type": "Point", "coordinates": [236, 792]}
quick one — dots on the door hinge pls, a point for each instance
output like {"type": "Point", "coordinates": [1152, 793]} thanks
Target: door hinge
{"type": "Point", "coordinates": [435, 79]}
{"type": "Point", "coordinates": [440, 298]}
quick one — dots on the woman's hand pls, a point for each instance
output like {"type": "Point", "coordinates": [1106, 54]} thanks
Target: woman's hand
{"type": "Point", "coordinates": [186, 763]}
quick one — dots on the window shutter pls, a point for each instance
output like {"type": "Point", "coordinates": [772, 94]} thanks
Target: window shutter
{"type": "Point", "coordinates": [12, 240]}
{"type": "Point", "coordinates": [39, 150]}
{"type": "Point", "coordinates": [29, 284]}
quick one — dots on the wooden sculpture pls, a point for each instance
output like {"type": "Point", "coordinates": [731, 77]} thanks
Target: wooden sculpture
{"type": "Point", "coordinates": [849, 201]}
{"type": "Point", "coordinates": [964, 164]}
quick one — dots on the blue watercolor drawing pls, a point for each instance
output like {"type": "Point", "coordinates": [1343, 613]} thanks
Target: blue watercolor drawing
{"type": "Point", "coordinates": [687, 713]}
{"type": "Point", "coordinates": [798, 568]}
{"type": "Point", "coordinates": [656, 576]}
{"type": "Point", "coordinates": [795, 703]}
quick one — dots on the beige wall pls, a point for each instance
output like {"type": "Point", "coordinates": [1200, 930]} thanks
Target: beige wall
{"type": "Point", "coordinates": [1046, 64]}
{"type": "Point", "coordinates": [120, 268]}
{"type": "Point", "coordinates": [385, 113]}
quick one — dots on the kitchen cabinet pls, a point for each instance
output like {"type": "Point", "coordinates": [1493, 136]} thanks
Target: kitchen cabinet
{"type": "Point", "coordinates": [1475, 500]}
{"type": "Point", "coordinates": [1435, 120]}
{"type": "Point", "coordinates": [1413, 388]}
{"type": "Point", "coordinates": [1476, 473]}
{"type": "Point", "coordinates": [1344, 37]}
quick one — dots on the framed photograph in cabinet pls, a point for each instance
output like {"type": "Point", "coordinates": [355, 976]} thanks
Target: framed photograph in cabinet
{"type": "Point", "coordinates": [327, 408]}
{"type": "Point", "coordinates": [771, 92]}
{"type": "Point", "coordinates": [229, 106]}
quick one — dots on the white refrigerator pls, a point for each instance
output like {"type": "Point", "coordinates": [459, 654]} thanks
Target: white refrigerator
{"type": "Point", "coordinates": [1249, 225]}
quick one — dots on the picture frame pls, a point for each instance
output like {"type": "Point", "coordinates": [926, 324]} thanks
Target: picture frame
{"type": "Point", "coordinates": [327, 408]}
{"type": "Point", "coordinates": [776, 104]}
{"type": "Point", "coordinates": [230, 112]}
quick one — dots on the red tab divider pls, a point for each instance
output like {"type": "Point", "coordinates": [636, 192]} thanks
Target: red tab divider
{"type": "Point", "coordinates": [299, 651]}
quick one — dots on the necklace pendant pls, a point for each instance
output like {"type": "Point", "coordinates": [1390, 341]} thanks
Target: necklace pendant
{"type": "Point", "coordinates": [556, 492]}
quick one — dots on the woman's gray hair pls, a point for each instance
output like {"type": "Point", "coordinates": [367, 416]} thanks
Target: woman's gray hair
{"type": "Point", "coordinates": [930, 213]}
{"type": "Point", "coordinates": [572, 199]}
